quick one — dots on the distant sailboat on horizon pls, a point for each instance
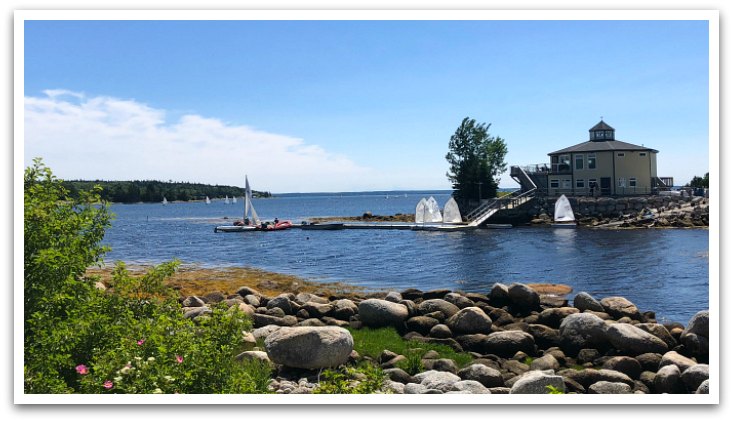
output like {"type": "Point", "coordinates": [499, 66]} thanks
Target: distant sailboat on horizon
{"type": "Point", "coordinates": [234, 199]}
{"type": "Point", "coordinates": [208, 201]}
{"type": "Point", "coordinates": [165, 201]}
{"type": "Point", "coordinates": [226, 199]}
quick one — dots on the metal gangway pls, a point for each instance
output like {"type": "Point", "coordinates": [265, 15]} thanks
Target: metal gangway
{"type": "Point", "coordinates": [484, 211]}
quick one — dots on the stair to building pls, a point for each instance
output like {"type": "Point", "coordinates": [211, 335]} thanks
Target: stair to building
{"type": "Point", "coordinates": [484, 211]}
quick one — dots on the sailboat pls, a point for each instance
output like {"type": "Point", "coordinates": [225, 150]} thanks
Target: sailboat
{"type": "Point", "coordinates": [234, 199]}
{"type": "Point", "coordinates": [208, 201]}
{"type": "Point", "coordinates": [564, 216]}
{"type": "Point", "coordinates": [451, 213]}
{"type": "Point", "coordinates": [165, 201]}
{"type": "Point", "coordinates": [226, 199]}
{"type": "Point", "coordinates": [250, 219]}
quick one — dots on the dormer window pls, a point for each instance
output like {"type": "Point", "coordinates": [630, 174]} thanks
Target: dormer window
{"type": "Point", "coordinates": [600, 134]}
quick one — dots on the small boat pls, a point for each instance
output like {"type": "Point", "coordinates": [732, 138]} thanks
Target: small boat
{"type": "Point", "coordinates": [250, 221]}
{"type": "Point", "coordinates": [564, 216]}
{"type": "Point", "coordinates": [322, 226]}
{"type": "Point", "coordinates": [165, 201]}
{"type": "Point", "coordinates": [226, 199]}
{"type": "Point", "coordinates": [208, 201]}
{"type": "Point", "coordinates": [234, 199]}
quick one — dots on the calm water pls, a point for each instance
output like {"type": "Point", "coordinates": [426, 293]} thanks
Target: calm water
{"type": "Point", "coordinates": [661, 270]}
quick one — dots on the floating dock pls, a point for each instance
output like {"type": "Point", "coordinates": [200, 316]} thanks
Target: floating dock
{"type": "Point", "coordinates": [408, 226]}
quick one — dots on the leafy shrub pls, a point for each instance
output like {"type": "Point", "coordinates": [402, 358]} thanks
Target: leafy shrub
{"type": "Point", "coordinates": [366, 379]}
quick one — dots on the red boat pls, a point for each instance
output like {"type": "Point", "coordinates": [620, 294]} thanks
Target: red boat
{"type": "Point", "coordinates": [280, 225]}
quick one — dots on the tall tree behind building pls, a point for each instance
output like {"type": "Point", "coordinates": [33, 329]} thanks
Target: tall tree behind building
{"type": "Point", "coordinates": [476, 160]}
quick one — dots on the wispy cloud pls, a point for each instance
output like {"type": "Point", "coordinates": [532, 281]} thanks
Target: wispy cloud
{"type": "Point", "coordinates": [82, 137]}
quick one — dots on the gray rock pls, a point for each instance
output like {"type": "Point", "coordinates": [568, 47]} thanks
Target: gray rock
{"type": "Point", "coordinates": [587, 377]}
{"type": "Point", "coordinates": [544, 336]}
{"type": "Point", "coordinates": [394, 387]}
{"type": "Point", "coordinates": [421, 324]}
{"type": "Point", "coordinates": [317, 310]}
{"type": "Point", "coordinates": [252, 300]}
{"type": "Point", "coordinates": [281, 302]}
{"type": "Point", "coordinates": [437, 305]}
{"type": "Point", "coordinates": [253, 355]}
{"type": "Point", "coordinates": [619, 307]}
{"type": "Point", "coordinates": [704, 388]}
{"type": "Point", "coordinates": [263, 332]}
{"type": "Point", "coordinates": [445, 365]}
{"type": "Point", "coordinates": [440, 331]}
{"type": "Point", "coordinates": [344, 309]}
{"type": "Point", "coordinates": [546, 362]}
{"type": "Point", "coordinates": [470, 386]}
{"type": "Point", "coordinates": [699, 324]}
{"type": "Point", "coordinates": [459, 300]}
{"type": "Point", "coordinates": [193, 302]}
{"type": "Point", "coordinates": [488, 377]}
{"type": "Point", "coordinates": [676, 359]}
{"type": "Point", "coordinates": [584, 301]}
{"type": "Point", "coordinates": [499, 295]}
{"type": "Point", "coordinates": [582, 331]}
{"type": "Point", "coordinates": [244, 291]}
{"type": "Point", "coordinates": [194, 312]}
{"type": "Point", "coordinates": [470, 320]}
{"type": "Point", "coordinates": [649, 361]}
{"type": "Point", "coordinates": [311, 322]}
{"type": "Point", "coordinates": [524, 297]}
{"type": "Point", "coordinates": [393, 297]}
{"type": "Point", "coordinates": [413, 388]}
{"type": "Point", "coordinates": [589, 355]}
{"type": "Point", "coordinates": [302, 298]}
{"type": "Point", "coordinates": [500, 390]}
{"type": "Point", "coordinates": [399, 375]}
{"type": "Point", "coordinates": [660, 331]}
{"type": "Point", "coordinates": [634, 341]}
{"type": "Point", "coordinates": [693, 376]}
{"type": "Point", "coordinates": [507, 343]}
{"type": "Point", "coordinates": [380, 313]}
{"type": "Point", "coordinates": [261, 320]}
{"type": "Point", "coordinates": [310, 347]}
{"type": "Point", "coordinates": [437, 380]}
{"type": "Point", "coordinates": [695, 344]}
{"type": "Point", "coordinates": [668, 380]}
{"type": "Point", "coordinates": [553, 317]}
{"type": "Point", "coordinates": [605, 387]}
{"type": "Point", "coordinates": [537, 382]}
{"type": "Point", "coordinates": [625, 364]}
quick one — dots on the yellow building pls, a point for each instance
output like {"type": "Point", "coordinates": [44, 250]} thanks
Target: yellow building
{"type": "Point", "coordinates": [603, 166]}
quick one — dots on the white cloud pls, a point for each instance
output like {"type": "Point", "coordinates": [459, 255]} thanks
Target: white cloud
{"type": "Point", "coordinates": [82, 137]}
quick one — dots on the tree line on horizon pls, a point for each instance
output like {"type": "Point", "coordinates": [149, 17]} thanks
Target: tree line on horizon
{"type": "Point", "coordinates": [154, 191]}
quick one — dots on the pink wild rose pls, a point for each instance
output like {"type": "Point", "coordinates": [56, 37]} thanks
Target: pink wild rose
{"type": "Point", "coordinates": [108, 384]}
{"type": "Point", "coordinates": [82, 369]}
{"type": "Point", "coordinates": [179, 358]}
{"type": "Point", "coordinates": [140, 342]}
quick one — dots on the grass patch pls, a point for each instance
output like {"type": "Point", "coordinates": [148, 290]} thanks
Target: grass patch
{"type": "Point", "coordinates": [372, 341]}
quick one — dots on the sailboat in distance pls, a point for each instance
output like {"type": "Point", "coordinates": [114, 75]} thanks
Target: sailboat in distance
{"type": "Point", "coordinates": [226, 199]}
{"type": "Point", "coordinates": [208, 201]}
{"type": "Point", "coordinates": [165, 201]}
{"type": "Point", "coordinates": [250, 220]}
{"type": "Point", "coordinates": [564, 216]}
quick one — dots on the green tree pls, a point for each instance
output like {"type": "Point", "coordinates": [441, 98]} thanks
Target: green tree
{"type": "Point", "coordinates": [476, 160]}
{"type": "Point", "coordinates": [700, 182]}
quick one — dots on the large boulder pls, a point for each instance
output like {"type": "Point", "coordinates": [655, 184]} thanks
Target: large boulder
{"type": "Point", "coordinates": [469, 387]}
{"type": "Point", "coordinates": [499, 295]}
{"type": "Point", "coordinates": [344, 309]}
{"type": "Point", "coordinates": [695, 337]}
{"type": "Point", "coordinates": [309, 347]}
{"type": "Point", "coordinates": [421, 324]}
{"type": "Point", "coordinates": [437, 380]}
{"type": "Point", "coordinates": [544, 336]}
{"type": "Point", "coordinates": [676, 359]}
{"type": "Point", "coordinates": [584, 301]}
{"type": "Point", "coordinates": [619, 307]}
{"type": "Point", "coordinates": [552, 317]}
{"type": "Point", "coordinates": [606, 387]}
{"type": "Point", "coordinates": [523, 297]}
{"type": "Point", "coordinates": [582, 331]}
{"type": "Point", "coordinates": [589, 376]}
{"type": "Point", "coordinates": [545, 363]}
{"type": "Point", "coordinates": [625, 364]}
{"type": "Point", "coordinates": [488, 377]}
{"type": "Point", "coordinates": [380, 313]}
{"type": "Point", "coordinates": [704, 388]}
{"type": "Point", "coordinates": [693, 376]}
{"type": "Point", "coordinates": [634, 341]}
{"type": "Point", "coordinates": [470, 320]}
{"type": "Point", "coordinates": [537, 382]}
{"type": "Point", "coordinates": [699, 324]}
{"type": "Point", "coordinates": [434, 305]}
{"type": "Point", "coordinates": [660, 331]}
{"type": "Point", "coordinates": [282, 302]}
{"type": "Point", "coordinates": [668, 380]}
{"type": "Point", "coordinates": [507, 343]}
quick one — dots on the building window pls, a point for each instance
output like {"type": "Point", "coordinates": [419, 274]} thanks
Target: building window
{"type": "Point", "coordinates": [554, 183]}
{"type": "Point", "coordinates": [580, 183]}
{"type": "Point", "coordinates": [579, 162]}
{"type": "Point", "coordinates": [609, 134]}
{"type": "Point", "coordinates": [564, 164]}
{"type": "Point", "coordinates": [620, 154]}
{"type": "Point", "coordinates": [599, 134]}
{"type": "Point", "coordinates": [567, 183]}
{"type": "Point", "coordinates": [642, 154]}
{"type": "Point", "coordinates": [632, 182]}
{"type": "Point", "coordinates": [621, 182]}
{"type": "Point", "coordinates": [554, 161]}
{"type": "Point", "coordinates": [592, 135]}
{"type": "Point", "coordinates": [591, 161]}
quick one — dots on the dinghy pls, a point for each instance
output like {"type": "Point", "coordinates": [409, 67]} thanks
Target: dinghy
{"type": "Point", "coordinates": [251, 221]}
{"type": "Point", "coordinates": [564, 216]}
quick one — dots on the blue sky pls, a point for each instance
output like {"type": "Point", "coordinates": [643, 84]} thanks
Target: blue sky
{"type": "Point", "coordinates": [352, 105]}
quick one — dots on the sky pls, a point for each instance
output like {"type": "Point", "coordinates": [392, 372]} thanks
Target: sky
{"type": "Point", "coordinates": [328, 106]}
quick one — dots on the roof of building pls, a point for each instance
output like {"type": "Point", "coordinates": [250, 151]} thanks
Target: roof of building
{"type": "Point", "coordinates": [597, 146]}
{"type": "Point", "coordinates": [601, 126]}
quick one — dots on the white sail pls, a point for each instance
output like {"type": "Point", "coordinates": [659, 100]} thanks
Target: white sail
{"type": "Point", "coordinates": [421, 211]}
{"type": "Point", "coordinates": [563, 210]}
{"type": "Point", "coordinates": [248, 202]}
{"type": "Point", "coordinates": [165, 201]}
{"type": "Point", "coordinates": [451, 213]}
{"type": "Point", "coordinates": [433, 211]}
{"type": "Point", "coordinates": [234, 199]}
{"type": "Point", "coordinates": [226, 199]}
{"type": "Point", "coordinates": [208, 201]}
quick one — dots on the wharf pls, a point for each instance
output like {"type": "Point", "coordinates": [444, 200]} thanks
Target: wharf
{"type": "Point", "coordinates": [410, 226]}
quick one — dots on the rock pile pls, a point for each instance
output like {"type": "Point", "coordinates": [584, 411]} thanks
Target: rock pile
{"type": "Point", "coordinates": [520, 342]}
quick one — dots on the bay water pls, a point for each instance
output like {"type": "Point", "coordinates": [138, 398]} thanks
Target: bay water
{"type": "Point", "coordinates": [662, 270]}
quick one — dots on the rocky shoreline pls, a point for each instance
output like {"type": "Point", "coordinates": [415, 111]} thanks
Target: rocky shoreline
{"type": "Point", "coordinates": [520, 341]}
